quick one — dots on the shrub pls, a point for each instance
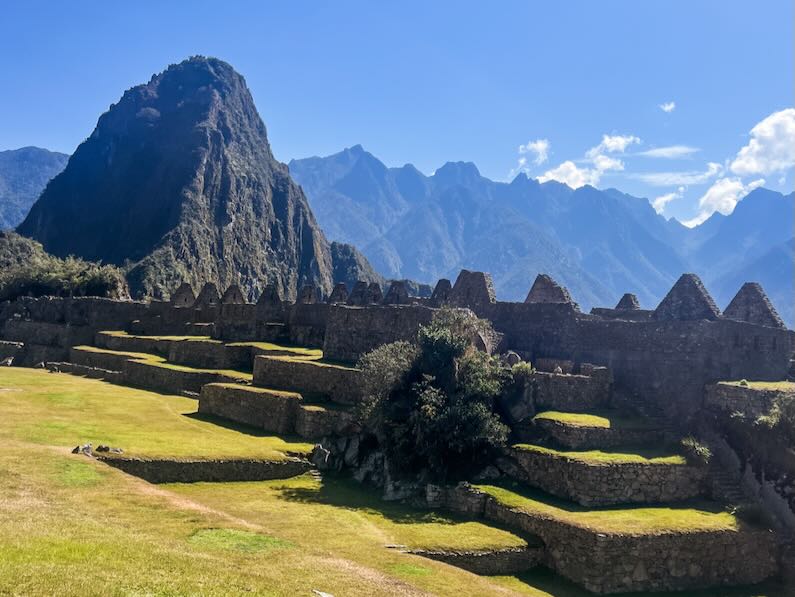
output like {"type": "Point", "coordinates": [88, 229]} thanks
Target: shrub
{"type": "Point", "coordinates": [743, 382]}
{"type": "Point", "coordinates": [781, 417]}
{"type": "Point", "coordinates": [46, 275]}
{"type": "Point", "coordinates": [695, 452]}
{"type": "Point", "coordinates": [383, 370]}
{"type": "Point", "coordinates": [432, 406]}
{"type": "Point", "coordinates": [753, 514]}
{"type": "Point", "coordinates": [522, 371]}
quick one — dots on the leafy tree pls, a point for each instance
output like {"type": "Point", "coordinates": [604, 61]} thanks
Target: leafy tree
{"type": "Point", "coordinates": [432, 406]}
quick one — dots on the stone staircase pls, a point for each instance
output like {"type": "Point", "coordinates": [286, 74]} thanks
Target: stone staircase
{"type": "Point", "coordinates": [725, 486]}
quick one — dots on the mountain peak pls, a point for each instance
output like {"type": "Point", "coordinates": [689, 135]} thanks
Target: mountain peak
{"type": "Point", "coordinates": [457, 173]}
{"type": "Point", "coordinates": [179, 179]}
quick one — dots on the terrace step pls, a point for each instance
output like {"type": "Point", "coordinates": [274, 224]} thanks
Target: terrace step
{"type": "Point", "coordinates": [311, 377]}
{"type": "Point", "coordinates": [597, 478]}
{"type": "Point", "coordinates": [273, 410]}
{"type": "Point", "coordinates": [153, 372]}
{"type": "Point", "coordinates": [596, 430]}
{"type": "Point", "coordinates": [673, 548]}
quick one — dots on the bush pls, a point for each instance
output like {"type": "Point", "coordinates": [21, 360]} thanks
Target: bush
{"type": "Point", "coordinates": [383, 370]}
{"type": "Point", "coordinates": [432, 406]}
{"type": "Point", "coordinates": [45, 275]}
{"type": "Point", "coordinates": [780, 418]}
{"type": "Point", "coordinates": [753, 514]}
{"type": "Point", "coordinates": [695, 452]}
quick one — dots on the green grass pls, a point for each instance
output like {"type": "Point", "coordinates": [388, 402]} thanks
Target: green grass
{"type": "Point", "coordinates": [638, 456]}
{"type": "Point", "coordinates": [296, 350]}
{"type": "Point", "coordinates": [122, 334]}
{"type": "Point", "coordinates": [601, 420]}
{"type": "Point", "coordinates": [628, 520]}
{"type": "Point", "coordinates": [156, 361]}
{"type": "Point", "coordinates": [786, 386]}
{"type": "Point", "coordinates": [70, 525]}
{"type": "Point", "coordinates": [258, 390]}
{"type": "Point", "coordinates": [228, 372]}
{"type": "Point", "coordinates": [290, 506]}
{"type": "Point", "coordinates": [63, 410]}
{"type": "Point", "coordinates": [139, 356]}
{"type": "Point", "coordinates": [237, 540]}
{"type": "Point", "coordinates": [313, 362]}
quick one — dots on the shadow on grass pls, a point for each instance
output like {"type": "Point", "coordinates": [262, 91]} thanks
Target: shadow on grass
{"type": "Point", "coordinates": [335, 490]}
{"type": "Point", "coordinates": [546, 580]}
{"type": "Point", "coordinates": [242, 428]}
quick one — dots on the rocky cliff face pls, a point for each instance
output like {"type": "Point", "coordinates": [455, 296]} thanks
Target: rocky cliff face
{"type": "Point", "coordinates": [178, 182]}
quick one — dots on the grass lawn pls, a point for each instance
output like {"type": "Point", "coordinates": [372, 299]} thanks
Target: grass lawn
{"type": "Point", "coordinates": [70, 525]}
{"type": "Point", "coordinates": [119, 333]}
{"type": "Point", "coordinates": [786, 386]}
{"type": "Point", "coordinates": [298, 351]}
{"type": "Point", "coordinates": [639, 456]}
{"type": "Point", "coordinates": [157, 361]}
{"type": "Point", "coordinates": [600, 419]}
{"type": "Point", "coordinates": [624, 519]}
{"type": "Point", "coordinates": [62, 410]}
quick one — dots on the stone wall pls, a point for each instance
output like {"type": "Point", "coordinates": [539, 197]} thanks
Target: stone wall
{"type": "Point", "coordinates": [573, 393]}
{"type": "Point", "coordinates": [270, 410]}
{"type": "Point", "coordinates": [311, 378]}
{"type": "Point", "coordinates": [161, 470]}
{"type": "Point", "coordinates": [498, 562]}
{"type": "Point", "coordinates": [605, 484]}
{"type": "Point", "coordinates": [751, 402]}
{"type": "Point", "coordinates": [170, 380]}
{"type": "Point", "coordinates": [354, 331]}
{"type": "Point", "coordinates": [599, 561]}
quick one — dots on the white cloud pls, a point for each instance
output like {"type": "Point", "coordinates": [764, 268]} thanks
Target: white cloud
{"type": "Point", "coordinates": [669, 152]}
{"type": "Point", "coordinates": [722, 197]}
{"type": "Point", "coordinates": [668, 107]}
{"type": "Point", "coordinates": [569, 173]}
{"type": "Point", "coordinates": [575, 176]}
{"type": "Point", "coordinates": [668, 179]}
{"type": "Point", "coordinates": [538, 148]}
{"type": "Point", "coordinates": [660, 202]}
{"type": "Point", "coordinates": [771, 148]}
{"type": "Point", "coordinates": [612, 144]}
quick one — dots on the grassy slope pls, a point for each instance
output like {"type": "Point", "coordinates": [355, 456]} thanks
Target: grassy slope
{"type": "Point", "coordinates": [639, 456]}
{"type": "Point", "coordinates": [157, 361]}
{"type": "Point", "coordinates": [599, 419]}
{"type": "Point", "coordinates": [787, 386]}
{"type": "Point", "coordinates": [62, 410]}
{"type": "Point", "coordinates": [70, 525]}
{"type": "Point", "coordinates": [627, 519]}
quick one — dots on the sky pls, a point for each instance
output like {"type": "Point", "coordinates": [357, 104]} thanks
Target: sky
{"type": "Point", "coordinates": [687, 103]}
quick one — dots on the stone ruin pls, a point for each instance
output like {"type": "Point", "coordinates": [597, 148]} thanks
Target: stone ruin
{"type": "Point", "coordinates": [751, 305]}
{"type": "Point", "coordinates": [183, 296]}
{"type": "Point", "coordinates": [398, 294]}
{"type": "Point", "coordinates": [233, 296]}
{"type": "Point", "coordinates": [688, 300]}
{"type": "Point", "coordinates": [339, 295]}
{"type": "Point", "coordinates": [628, 302]}
{"type": "Point", "coordinates": [546, 290]}
{"type": "Point", "coordinates": [661, 359]}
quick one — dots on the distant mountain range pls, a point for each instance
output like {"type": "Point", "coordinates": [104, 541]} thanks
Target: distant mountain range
{"type": "Point", "coordinates": [599, 243]}
{"type": "Point", "coordinates": [177, 183]}
{"type": "Point", "coordinates": [23, 175]}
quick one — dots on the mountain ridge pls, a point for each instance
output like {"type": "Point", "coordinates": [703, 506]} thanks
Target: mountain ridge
{"type": "Point", "coordinates": [599, 243]}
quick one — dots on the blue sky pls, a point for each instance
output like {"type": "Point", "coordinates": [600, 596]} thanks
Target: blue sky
{"type": "Point", "coordinates": [574, 89]}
